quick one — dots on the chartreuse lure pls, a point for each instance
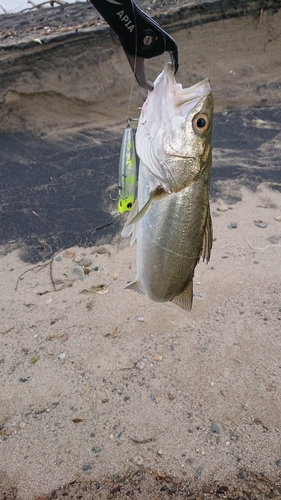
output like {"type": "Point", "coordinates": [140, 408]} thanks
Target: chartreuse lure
{"type": "Point", "coordinates": [127, 171]}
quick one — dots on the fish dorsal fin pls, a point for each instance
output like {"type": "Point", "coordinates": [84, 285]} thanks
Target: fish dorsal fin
{"type": "Point", "coordinates": [135, 286]}
{"type": "Point", "coordinates": [207, 238]}
{"type": "Point", "coordinates": [184, 300]}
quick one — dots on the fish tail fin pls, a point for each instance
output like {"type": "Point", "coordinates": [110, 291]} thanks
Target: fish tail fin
{"type": "Point", "coordinates": [135, 286]}
{"type": "Point", "coordinates": [185, 299]}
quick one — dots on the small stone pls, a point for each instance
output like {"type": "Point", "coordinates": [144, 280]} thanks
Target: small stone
{"type": "Point", "coordinates": [78, 271]}
{"type": "Point", "coordinates": [232, 225]}
{"type": "Point", "coordinates": [85, 263]}
{"type": "Point", "coordinates": [273, 239]}
{"type": "Point", "coordinates": [222, 208]}
{"type": "Point", "coordinates": [62, 356]}
{"type": "Point", "coordinates": [115, 276]}
{"type": "Point", "coordinates": [64, 337]}
{"type": "Point", "coordinates": [278, 463]}
{"type": "Point", "coordinates": [241, 474]}
{"type": "Point", "coordinates": [157, 357]}
{"type": "Point", "coordinates": [126, 398]}
{"type": "Point", "coordinates": [96, 449]}
{"type": "Point", "coordinates": [153, 398]}
{"type": "Point", "coordinates": [260, 223]}
{"type": "Point", "coordinates": [138, 460]}
{"type": "Point", "coordinates": [105, 400]}
{"type": "Point", "coordinates": [198, 472]}
{"type": "Point", "coordinates": [22, 379]}
{"type": "Point", "coordinates": [215, 429]}
{"type": "Point", "coordinates": [78, 258]}
{"type": "Point", "coordinates": [86, 467]}
{"type": "Point", "coordinates": [157, 400]}
{"type": "Point", "coordinates": [58, 259]}
{"type": "Point", "coordinates": [140, 364]}
{"type": "Point", "coordinates": [96, 268]}
{"type": "Point", "coordinates": [278, 218]}
{"type": "Point", "coordinates": [102, 250]}
{"type": "Point", "coordinates": [68, 254]}
{"type": "Point", "coordinates": [140, 319]}
{"type": "Point", "coordinates": [22, 425]}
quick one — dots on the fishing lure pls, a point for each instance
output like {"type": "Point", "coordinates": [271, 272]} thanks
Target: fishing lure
{"type": "Point", "coordinates": [127, 171]}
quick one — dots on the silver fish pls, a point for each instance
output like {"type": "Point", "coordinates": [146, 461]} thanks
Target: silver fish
{"type": "Point", "coordinates": [171, 218]}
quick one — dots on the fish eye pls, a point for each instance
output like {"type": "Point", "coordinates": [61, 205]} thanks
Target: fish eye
{"type": "Point", "coordinates": [200, 123]}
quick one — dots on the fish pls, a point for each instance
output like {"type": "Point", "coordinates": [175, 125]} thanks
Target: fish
{"type": "Point", "coordinates": [171, 220]}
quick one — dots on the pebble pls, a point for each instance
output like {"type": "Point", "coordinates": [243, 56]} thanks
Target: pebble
{"type": "Point", "coordinates": [198, 472]}
{"type": "Point", "coordinates": [278, 463]}
{"type": "Point", "coordinates": [96, 449]}
{"type": "Point", "coordinates": [86, 467]}
{"type": "Point", "coordinates": [222, 208]}
{"type": "Point", "coordinates": [215, 429]}
{"type": "Point", "coordinates": [78, 271]}
{"type": "Point", "coordinates": [85, 263]}
{"type": "Point", "coordinates": [232, 225]}
{"type": "Point", "coordinates": [157, 357]}
{"type": "Point", "coordinates": [58, 259]}
{"type": "Point", "coordinates": [68, 254]}
{"type": "Point", "coordinates": [102, 250]}
{"type": "Point", "coordinates": [96, 268]}
{"type": "Point", "coordinates": [138, 460]}
{"type": "Point", "coordinates": [140, 364]}
{"type": "Point", "coordinates": [62, 356]}
{"type": "Point", "coordinates": [273, 239]}
{"type": "Point", "coordinates": [160, 452]}
{"type": "Point", "coordinates": [260, 223]}
{"type": "Point", "coordinates": [241, 474]}
{"type": "Point", "coordinates": [22, 379]}
{"type": "Point", "coordinates": [278, 218]}
{"type": "Point", "coordinates": [140, 319]}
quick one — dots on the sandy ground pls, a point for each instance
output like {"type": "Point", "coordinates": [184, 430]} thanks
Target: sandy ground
{"type": "Point", "coordinates": [105, 394]}
{"type": "Point", "coordinates": [96, 377]}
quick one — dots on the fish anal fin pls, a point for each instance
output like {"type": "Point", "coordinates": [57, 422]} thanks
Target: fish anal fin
{"type": "Point", "coordinates": [185, 299]}
{"type": "Point", "coordinates": [135, 286]}
{"type": "Point", "coordinates": [207, 238]}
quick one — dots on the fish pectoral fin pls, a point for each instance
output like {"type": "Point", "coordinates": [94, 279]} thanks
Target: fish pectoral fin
{"type": "Point", "coordinates": [207, 238]}
{"type": "Point", "coordinates": [129, 228]}
{"type": "Point", "coordinates": [157, 192]}
{"type": "Point", "coordinates": [135, 286]}
{"type": "Point", "coordinates": [184, 300]}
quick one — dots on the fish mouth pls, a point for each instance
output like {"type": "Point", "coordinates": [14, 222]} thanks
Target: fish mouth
{"type": "Point", "coordinates": [185, 99]}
